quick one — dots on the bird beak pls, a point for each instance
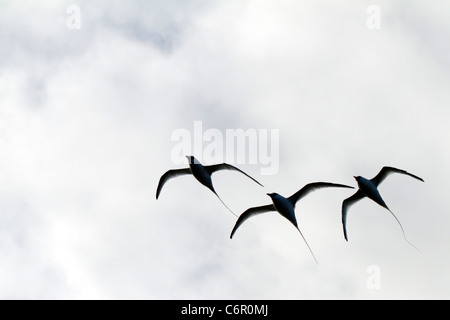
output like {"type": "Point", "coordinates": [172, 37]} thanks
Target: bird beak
{"type": "Point", "coordinates": [354, 177]}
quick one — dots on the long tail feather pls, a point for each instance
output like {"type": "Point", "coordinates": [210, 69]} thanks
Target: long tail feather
{"type": "Point", "coordinates": [403, 231]}
{"type": "Point", "coordinates": [308, 245]}
{"type": "Point", "coordinates": [225, 204]}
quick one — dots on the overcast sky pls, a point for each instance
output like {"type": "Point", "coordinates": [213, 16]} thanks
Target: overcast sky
{"type": "Point", "coordinates": [91, 93]}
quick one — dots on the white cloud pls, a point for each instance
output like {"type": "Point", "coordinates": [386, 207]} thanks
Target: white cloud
{"type": "Point", "coordinates": [86, 118]}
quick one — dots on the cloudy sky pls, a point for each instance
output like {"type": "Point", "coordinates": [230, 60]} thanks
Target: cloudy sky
{"type": "Point", "coordinates": [91, 94]}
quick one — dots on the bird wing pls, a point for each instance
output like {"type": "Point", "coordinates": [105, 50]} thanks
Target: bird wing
{"type": "Point", "coordinates": [385, 171]}
{"type": "Point", "coordinates": [312, 187]}
{"type": "Point", "coordinates": [226, 166]}
{"type": "Point", "coordinates": [169, 175]}
{"type": "Point", "coordinates": [249, 213]}
{"type": "Point", "coordinates": [346, 204]}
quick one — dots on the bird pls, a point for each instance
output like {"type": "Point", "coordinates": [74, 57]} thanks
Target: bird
{"type": "Point", "coordinates": [201, 173]}
{"type": "Point", "coordinates": [369, 188]}
{"type": "Point", "coordinates": [286, 206]}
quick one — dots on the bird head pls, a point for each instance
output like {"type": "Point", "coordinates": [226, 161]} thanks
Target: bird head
{"type": "Point", "coordinates": [272, 195]}
{"type": "Point", "coordinates": [192, 160]}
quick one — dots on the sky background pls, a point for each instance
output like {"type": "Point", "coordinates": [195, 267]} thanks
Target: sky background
{"type": "Point", "coordinates": [86, 118]}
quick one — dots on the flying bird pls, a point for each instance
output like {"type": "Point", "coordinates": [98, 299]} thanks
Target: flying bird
{"type": "Point", "coordinates": [201, 173]}
{"type": "Point", "coordinates": [286, 206]}
{"type": "Point", "coordinates": [368, 188]}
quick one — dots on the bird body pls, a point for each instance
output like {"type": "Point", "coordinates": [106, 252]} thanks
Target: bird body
{"type": "Point", "coordinates": [369, 189]}
{"type": "Point", "coordinates": [202, 175]}
{"type": "Point", "coordinates": [284, 207]}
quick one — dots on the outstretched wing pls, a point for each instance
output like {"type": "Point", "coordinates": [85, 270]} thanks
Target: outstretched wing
{"type": "Point", "coordinates": [346, 204]}
{"type": "Point", "coordinates": [226, 166]}
{"type": "Point", "coordinates": [385, 171]}
{"type": "Point", "coordinates": [312, 187]}
{"type": "Point", "coordinates": [169, 175]}
{"type": "Point", "coordinates": [250, 213]}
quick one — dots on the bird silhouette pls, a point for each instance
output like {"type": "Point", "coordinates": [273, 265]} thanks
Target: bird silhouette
{"type": "Point", "coordinates": [286, 206]}
{"type": "Point", "coordinates": [201, 173]}
{"type": "Point", "coordinates": [369, 188]}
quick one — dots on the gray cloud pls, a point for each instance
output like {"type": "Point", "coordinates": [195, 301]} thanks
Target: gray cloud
{"type": "Point", "coordinates": [86, 118]}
